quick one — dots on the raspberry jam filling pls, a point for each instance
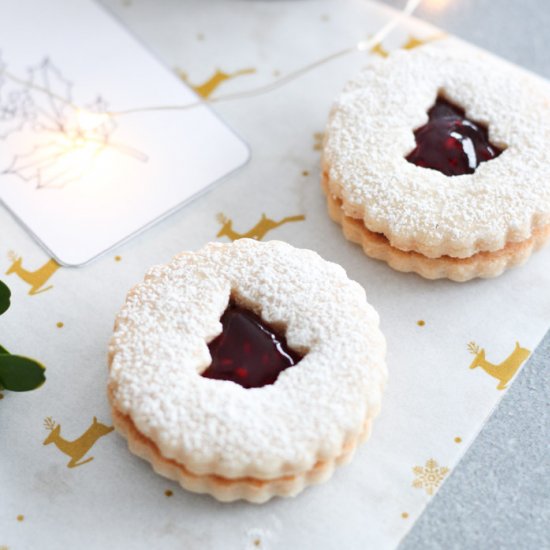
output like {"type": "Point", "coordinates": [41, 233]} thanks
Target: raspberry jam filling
{"type": "Point", "coordinates": [248, 351]}
{"type": "Point", "coordinates": [450, 142]}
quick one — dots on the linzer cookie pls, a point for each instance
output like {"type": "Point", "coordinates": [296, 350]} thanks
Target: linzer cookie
{"type": "Point", "coordinates": [436, 161]}
{"type": "Point", "coordinates": [246, 370]}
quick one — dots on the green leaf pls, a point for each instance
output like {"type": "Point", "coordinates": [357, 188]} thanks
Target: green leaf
{"type": "Point", "coordinates": [5, 295]}
{"type": "Point", "coordinates": [19, 373]}
{"type": "Point", "coordinates": [3, 350]}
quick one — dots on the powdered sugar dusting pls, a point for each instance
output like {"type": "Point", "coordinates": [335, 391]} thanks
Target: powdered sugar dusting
{"type": "Point", "coordinates": [370, 131]}
{"type": "Point", "coordinates": [160, 346]}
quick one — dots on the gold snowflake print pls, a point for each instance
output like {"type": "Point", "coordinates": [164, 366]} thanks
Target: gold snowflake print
{"type": "Point", "coordinates": [430, 476]}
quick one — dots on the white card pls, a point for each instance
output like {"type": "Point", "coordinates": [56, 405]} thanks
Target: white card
{"type": "Point", "coordinates": [82, 182]}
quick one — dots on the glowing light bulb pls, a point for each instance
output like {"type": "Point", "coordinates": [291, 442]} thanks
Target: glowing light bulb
{"type": "Point", "coordinates": [88, 121]}
{"type": "Point", "coordinates": [435, 5]}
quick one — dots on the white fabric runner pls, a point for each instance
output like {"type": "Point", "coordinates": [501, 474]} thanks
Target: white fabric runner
{"type": "Point", "coordinates": [435, 404]}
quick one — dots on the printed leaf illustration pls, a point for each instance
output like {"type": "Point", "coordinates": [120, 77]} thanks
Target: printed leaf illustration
{"type": "Point", "coordinates": [19, 373]}
{"type": "Point", "coordinates": [5, 295]}
{"type": "Point", "coordinates": [52, 109]}
{"type": "Point", "coordinates": [55, 141]}
{"type": "Point", "coordinates": [15, 110]}
{"type": "Point", "coordinates": [15, 106]}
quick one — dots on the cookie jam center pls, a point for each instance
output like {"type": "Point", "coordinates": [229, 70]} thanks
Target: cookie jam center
{"type": "Point", "coordinates": [248, 351]}
{"type": "Point", "coordinates": [450, 142]}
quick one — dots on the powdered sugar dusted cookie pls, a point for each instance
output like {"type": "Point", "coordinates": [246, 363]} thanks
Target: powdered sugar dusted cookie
{"type": "Point", "coordinates": [246, 370]}
{"type": "Point", "coordinates": [440, 155]}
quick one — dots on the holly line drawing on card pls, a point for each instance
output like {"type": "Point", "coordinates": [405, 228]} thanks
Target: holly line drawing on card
{"type": "Point", "coordinates": [54, 140]}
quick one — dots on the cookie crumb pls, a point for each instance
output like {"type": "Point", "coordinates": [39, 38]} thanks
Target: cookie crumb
{"type": "Point", "coordinates": [20, 517]}
{"type": "Point", "coordinates": [421, 323]}
{"type": "Point", "coordinates": [1, 396]}
{"type": "Point", "coordinates": [405, 515]}
{"type": "Point", "coordinates": [318, 141]}
{"type": "Point", "coordinates": [257, 542]}
{"type": "Point", "coordinates": [59, 324]}
{"type": "Point", "coordinates": [458, 440]}
{"type": "Point", "coordinates": [118, 258]}
{"type": "Point", "coordinates": [168, 492]}
{"type": "Point", "coordinates": [305, 173]}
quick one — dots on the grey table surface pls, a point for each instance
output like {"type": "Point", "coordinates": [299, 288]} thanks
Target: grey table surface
{"type": "Point", "coordinates": [499, 494]}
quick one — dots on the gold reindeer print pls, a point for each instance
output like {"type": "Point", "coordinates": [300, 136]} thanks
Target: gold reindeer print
{"type": "Point", "coordinates": [77, 448]}
{"type": "Point", "coordinates": [411, 43]}
{"type": "Point", "coordinates": [207, 88]}
{"type": "Point", "coordinates": [37, 278]}
{"type": "Point", "coordinates": [430, 476]}
{"type": "Point", "coordinates": [378, 49]}
{"type": "Point", "coordinates": [414, 42]}
{"type": "Point", "coordinates": [503, 371]}
{"type": "Point", "coordinates": [258, 232]}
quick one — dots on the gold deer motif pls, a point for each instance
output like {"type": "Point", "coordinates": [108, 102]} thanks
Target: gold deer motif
{"type": "Point", "coordinates": [414, 42]}
{"type": "Point", "coordinates": [504, 371]}
{"type": "Point", "coordinates": [411, 43]}
{"type": "Point", "coordinates": [379, 49]}
{"type": "Point", "coordinates": [258, 232]}
{"type": "Point", "coordinates": [38, 278]}
{"type": "Point", "coordinates": [77, 448]}
{"type": "Point", "coordinates": [207, 88]}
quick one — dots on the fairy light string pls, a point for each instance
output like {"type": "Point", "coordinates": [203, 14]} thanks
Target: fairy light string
{"type": "Point", "coordinates": [79, 134]}
{"type": "Point", "coordinates": [361, 46]}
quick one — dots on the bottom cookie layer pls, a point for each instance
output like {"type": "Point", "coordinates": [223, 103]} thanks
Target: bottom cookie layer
{"type": "Point", "coordinates": [482, 264]}
{"type": "Point", "coordinates": [227, 490]}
